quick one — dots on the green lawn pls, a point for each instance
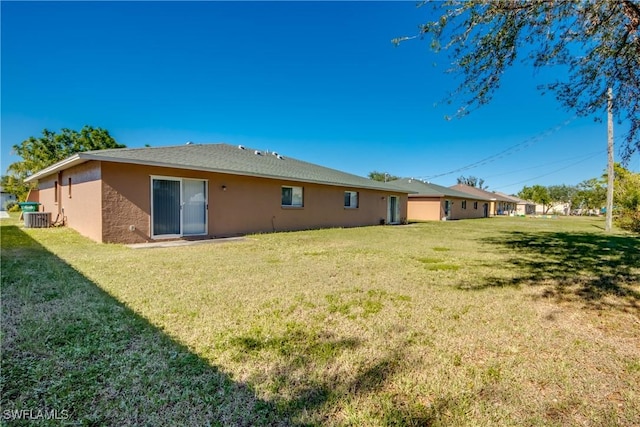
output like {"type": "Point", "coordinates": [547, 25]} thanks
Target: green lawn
{"type": "Point", "coordinates": [502, 321]}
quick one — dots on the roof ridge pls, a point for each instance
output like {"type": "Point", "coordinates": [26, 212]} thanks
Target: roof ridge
{"type": "Point", "coordinates": [227, 159]}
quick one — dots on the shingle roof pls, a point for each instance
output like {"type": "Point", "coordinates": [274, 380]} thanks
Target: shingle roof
{"type": "Point", "coordinates": [223, 158]}
{"type": "Point", "coordinates": [516, 199]}
{"type": "Point", "coordinates": [482, 193]}
{"type": "Point", "coordinates": [421, 188]}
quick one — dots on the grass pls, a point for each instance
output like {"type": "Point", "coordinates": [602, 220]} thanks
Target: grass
{"type": "Point", "coordinates": [504, 321]}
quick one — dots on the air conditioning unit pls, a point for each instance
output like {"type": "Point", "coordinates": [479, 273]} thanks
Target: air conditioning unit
{"type": "Point", "coordinates": [37, 219]}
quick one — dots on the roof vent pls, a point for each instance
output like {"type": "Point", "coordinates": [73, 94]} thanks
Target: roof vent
{"type": "Point", "coordinates": [258, 153]}
{"type": "Point", "coordinates": [279, 157]}
{"type": "Point", "coordinates": [241, 147]}
{"type": "Point", "coordinates": [275, 154]}
{"type": "Point", "coordinates": [189, 143]}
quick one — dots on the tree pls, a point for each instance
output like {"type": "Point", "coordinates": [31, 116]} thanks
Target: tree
{"type": "Point", "coordinates": [597, 42]}
{"type": "Point", "coordinates": [382, 176]}
{"type": "Point", "coordinates": [562, 194]}
{"type": "Point", "coordinates": [472, 181]}
{"type": "Point", "coordinates": [627, 188]}
{"type": "Point", "coordinates": [626, 198]}
{"type": "Point", "coordinates": [537, 194]}
{"type": "Point", "coordinates": [38, 153]}
{"type": "Point", "coordinates": [590, 194]}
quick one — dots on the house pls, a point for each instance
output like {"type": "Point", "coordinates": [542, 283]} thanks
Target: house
{"type": "Point", "coordinates": [431, 202]}
{"type": "Point", "coordinates": [557, 208]}
{"type": "Point", "coordinates": [206, 190]}
{"type": "Point", "coordinates": [498, 205]}
{"type": "Point", "coordinates": [6, 198]}
{"type": "Point", "coordinates": [523, 207]}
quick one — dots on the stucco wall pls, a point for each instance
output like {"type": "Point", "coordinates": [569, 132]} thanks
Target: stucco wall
{"type": "Point", "coordinates": [126, 203]}
{"type": "Point", "coordinates": [81, 199]}
{"type": "Point", "coordinates": [46, 196]}
{"type": "Point", "coordinates": [246, 205]}
{"type": "Point", "coordinates": [78, 201]}
{"type": "Point", "coordinates": [457, 212]}
{"type": "Point", "coordinates": [424, 209]}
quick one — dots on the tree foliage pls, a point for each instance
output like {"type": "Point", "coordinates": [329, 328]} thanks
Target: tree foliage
{"type": "Point", "coordinates": [51, 147]}
{"type": "Point", "coordinates": [382, 176]}
{"type": "Point", "coordinates": [590, 194]}
{"type": "Point", "coordinates": [626, 199]}
{"type": "Point", "coordinates": [538, 194]}
{"type": "Point", "coordinates": [472, 181]}
{"type": "Point", "coordinates": [561, 193]}
{"type": "Point", "coordinates": [596, 41]}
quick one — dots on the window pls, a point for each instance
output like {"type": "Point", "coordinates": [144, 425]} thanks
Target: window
{"type": "Point", "coordinates": [351, 199]}
{"type": "Point", "coordinates": [69, 187]}
{"type": "Point", "coordinates": [292, 196]}
{"type": "Point", "coordinates": [464, 204]}
{"type": "Point", "coordinates": [55, 192]}
{"type": "Point", "coordinates": [475, 205]}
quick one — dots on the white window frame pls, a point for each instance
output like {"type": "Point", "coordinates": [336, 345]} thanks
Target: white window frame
{"type": "Point", "coordinates": [294, 189]}
{"type": "Point", "coordinates": [351, 200]}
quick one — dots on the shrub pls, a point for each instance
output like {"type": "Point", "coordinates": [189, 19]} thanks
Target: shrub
{"type": "Point", "coordinates": [629, 220]}
{"type": "Point", "coordinates": [12, 206]}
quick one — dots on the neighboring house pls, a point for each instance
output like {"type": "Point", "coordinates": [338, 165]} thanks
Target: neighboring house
{"type": "Point", "coordinates": [431, 202]}
{"type": "Point", "coordinates": [523, 207]}
{"type": "Point", "coordinates": [555, 209]}
{"type": "Point", "coordinates": [6, 198]}
{"type": "Point", "coordinates": [215, 190]}
{"type": "Point", "coordinates": [498, 205]}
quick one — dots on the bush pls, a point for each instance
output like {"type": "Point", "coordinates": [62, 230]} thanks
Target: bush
{"type": "Point", "coordinates": [629, 220]}
{"type": "Point", "coordinates": [12, 206]}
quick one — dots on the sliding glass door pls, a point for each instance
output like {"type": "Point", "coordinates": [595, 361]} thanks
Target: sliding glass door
{"type": "Point", "coordinates": [178, 207]}
{"type": "Point", "coordinates": [393, 214]}
{"type": "Point", "coordinates": [194, 214]}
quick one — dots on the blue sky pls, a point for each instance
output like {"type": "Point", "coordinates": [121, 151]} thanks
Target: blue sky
{"type": "Point", "coordinates": [318, 81]}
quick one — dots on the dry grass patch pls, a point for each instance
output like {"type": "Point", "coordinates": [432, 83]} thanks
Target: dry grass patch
{"type": "Point", "coordinates": [487, 322]}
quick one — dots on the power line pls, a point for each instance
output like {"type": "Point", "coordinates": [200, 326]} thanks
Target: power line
{"type": "Point", "coordinates": [506, 152]}
{"type": "Point", "coordinates": [545, 164]}
{"type": "Point", "coordinates": [552, 172]}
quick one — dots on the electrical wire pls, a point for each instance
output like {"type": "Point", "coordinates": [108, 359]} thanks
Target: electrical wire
{"type": "Point", "coordinates": [506, 152]}
{"type": "Point", "coordinates": [552, 172]}
{"type": "Point", "coordinates": [603, 151]}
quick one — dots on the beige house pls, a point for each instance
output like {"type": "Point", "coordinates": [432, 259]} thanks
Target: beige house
{"type": "Point", "coordinates": [523, 207]}
{"type": "Point", "coordinates": [431, 202]}
{"type": "Point", "coordinates": [498, 205]}
{"type": "Point", "coordinates": [207, 190]}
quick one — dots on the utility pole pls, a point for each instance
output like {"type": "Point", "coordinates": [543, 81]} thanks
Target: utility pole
{"type": "Point", "coordinates": [609, 217]}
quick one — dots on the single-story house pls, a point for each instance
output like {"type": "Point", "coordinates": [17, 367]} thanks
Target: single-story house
{"type": "Point", "coordinates": [135, 195]}
{"type": "Point", "coordinates": [498, 205]}
{"type": "Point", "coordinates": [523, 207]}
{"type": "Point", "coordinates": [431, 202]}
{"type": "Point", "coordinates": [6, 198]}
{"type": "Point", "coordinates": [559, 208]}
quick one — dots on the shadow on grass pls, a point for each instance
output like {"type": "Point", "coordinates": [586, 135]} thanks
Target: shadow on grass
{"type": "Point", "coordinates": [584, 266]}
{"type": "Point", "coordinates": [72, 354]}
{"type": "Point", "coordinates": [300, 348]}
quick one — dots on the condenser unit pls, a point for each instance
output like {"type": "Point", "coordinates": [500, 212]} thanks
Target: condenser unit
{"type": "Point", "coordinates": [37, 219]}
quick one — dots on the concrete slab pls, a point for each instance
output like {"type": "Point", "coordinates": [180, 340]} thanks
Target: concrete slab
{"type": "Point", "coordinates": [178, 243]}
{"type": "Point", "coordinates": [4, 214]}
